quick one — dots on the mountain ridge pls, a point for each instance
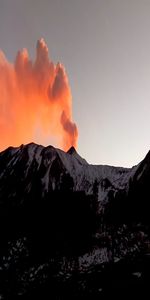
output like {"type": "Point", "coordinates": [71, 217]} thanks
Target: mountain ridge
{"type": "Point", "coordinates": [70, 229]}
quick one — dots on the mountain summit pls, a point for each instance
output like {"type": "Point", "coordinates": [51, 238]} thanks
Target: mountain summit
{"type": "Point", "coordinates": [72, 150]}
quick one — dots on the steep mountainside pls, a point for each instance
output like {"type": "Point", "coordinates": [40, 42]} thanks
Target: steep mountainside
{"type": "Point", "coordinates": [25, 169]}
{"type": "Point", "coordinates": [71, 230]}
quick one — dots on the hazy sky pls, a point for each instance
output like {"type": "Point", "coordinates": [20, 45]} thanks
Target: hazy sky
{"type": "Point", "coordinates": [105, 47]}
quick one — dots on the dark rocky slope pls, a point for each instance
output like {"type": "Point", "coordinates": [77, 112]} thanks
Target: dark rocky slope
{"type": "Point", "coordinates": [70, 230]}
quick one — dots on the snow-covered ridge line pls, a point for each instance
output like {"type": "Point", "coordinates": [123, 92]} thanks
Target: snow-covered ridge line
{"type": "Point", "coordinates": [50, 164]}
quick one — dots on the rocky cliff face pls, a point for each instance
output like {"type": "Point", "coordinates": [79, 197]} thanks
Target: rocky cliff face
{"type": "Point", "coordinates": [71, 230]}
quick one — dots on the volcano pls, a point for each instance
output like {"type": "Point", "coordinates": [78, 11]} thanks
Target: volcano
{"type": "Point", "coordinates": [72, 230]}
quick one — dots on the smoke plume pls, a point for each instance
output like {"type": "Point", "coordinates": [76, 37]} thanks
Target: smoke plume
{"type": "Point", "coordinates": [35, 101]}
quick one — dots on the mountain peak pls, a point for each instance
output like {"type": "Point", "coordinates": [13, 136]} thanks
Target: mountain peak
{"type": "Point", "coordinates": [72, 150]}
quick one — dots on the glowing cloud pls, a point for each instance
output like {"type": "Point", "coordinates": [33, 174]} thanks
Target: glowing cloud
{"type": "Point", "coordinates": [35, 101]}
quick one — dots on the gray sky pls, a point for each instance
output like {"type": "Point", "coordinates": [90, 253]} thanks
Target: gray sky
{"type": "Point", "coordinates": [105, 48]}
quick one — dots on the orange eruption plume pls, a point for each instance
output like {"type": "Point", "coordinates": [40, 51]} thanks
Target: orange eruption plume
{"type": "Point", "coordinates": [35, 101]}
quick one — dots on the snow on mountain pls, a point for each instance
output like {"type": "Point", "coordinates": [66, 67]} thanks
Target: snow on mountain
{"type": "Point", "coordinates": [59, 242]}
{"type": "Point", "coordinates": [50, 164]}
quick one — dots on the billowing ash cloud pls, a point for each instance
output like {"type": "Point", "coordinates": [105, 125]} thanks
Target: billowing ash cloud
{"type": "Point", "coordinates": [35, 101]}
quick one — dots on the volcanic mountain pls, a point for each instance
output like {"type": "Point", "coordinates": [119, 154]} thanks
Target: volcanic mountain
{"type": "Point", "coordinates": [70, 229]}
